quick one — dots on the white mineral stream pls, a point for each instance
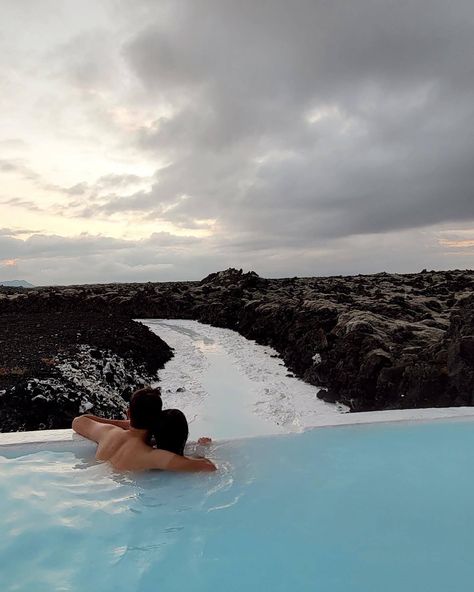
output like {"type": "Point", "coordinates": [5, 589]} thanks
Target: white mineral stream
{"type": "Point", "coordinates": [230, 387]}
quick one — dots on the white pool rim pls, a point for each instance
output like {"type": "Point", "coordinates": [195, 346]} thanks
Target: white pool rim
{"type": "Point", "coordinates": [345, 419]}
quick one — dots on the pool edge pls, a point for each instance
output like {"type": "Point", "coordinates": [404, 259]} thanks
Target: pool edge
{"type": "Point", "coordinates": [345, 419]}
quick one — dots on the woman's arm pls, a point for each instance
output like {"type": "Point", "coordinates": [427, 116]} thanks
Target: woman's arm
{"type": "Point", "coordinates": [191, 465]}
{"type": "Point", "coordinates": [168, 461]}
{"type": "Point", "coordinates": [120, 423]}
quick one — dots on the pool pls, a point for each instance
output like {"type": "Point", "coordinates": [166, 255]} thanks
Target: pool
{"type": "Point", "coordinates": [354, 508]}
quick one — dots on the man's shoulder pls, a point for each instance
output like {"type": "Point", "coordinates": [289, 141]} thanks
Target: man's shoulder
{"type": "Point", "coordinates": [112, 432]}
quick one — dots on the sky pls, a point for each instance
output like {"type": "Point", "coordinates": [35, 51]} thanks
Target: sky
{"type": "Point", "coordinates": [156, 140]}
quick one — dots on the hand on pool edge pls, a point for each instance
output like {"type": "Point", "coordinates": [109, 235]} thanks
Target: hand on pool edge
{"type": "Point", "coordinates": [204, 441]}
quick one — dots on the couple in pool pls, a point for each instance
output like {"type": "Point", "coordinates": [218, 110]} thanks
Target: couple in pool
{"type": "Point", "coordinates": [128, 443]}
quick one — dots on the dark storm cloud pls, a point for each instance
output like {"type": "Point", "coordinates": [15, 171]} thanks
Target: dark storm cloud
{"type": "Point", "coordinates": [388, 87]}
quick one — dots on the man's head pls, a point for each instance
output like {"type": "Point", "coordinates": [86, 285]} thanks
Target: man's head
{"type": "Point", "coordinates": [145, 408]}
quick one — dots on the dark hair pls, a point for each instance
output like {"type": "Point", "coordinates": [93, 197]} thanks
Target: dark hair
{"type": "Point", "coordinates": [145, 408]}
{"type": "Point", "coordinates": [172, 431]}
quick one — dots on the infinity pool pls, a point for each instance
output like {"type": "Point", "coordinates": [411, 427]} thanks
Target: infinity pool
{"type": "Point", "coordinates": [355, 508]}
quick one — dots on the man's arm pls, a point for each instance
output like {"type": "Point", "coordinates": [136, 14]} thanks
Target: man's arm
{"type": "Point", "coordinates": [120, 423]}
{"type": "Point", "coordinates": [168, 461]}
{"type": "Point", "coordinates": [89, 428]}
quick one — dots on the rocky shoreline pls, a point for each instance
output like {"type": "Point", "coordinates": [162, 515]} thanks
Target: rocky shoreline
{"type": "Point", "coordinates": [56, 365]}
{"type": "Point", "coordinates": [383, 341]}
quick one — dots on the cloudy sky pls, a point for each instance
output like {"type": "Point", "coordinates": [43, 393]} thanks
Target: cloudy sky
{"type": "Point", "coordinates": [148, 140]}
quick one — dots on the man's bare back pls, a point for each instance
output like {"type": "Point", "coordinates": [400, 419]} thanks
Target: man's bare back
{"type": "Point", "coordinates": [127, 449]}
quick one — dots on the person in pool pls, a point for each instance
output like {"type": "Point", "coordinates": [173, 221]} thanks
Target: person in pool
{"type": "Point", "coordinates": [127, 443]}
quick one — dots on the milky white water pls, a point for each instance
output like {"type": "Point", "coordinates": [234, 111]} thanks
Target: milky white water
{"type": "Point", "coordinates": [232, 387]}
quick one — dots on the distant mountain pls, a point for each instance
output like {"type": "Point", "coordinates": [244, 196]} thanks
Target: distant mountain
{"type": "Point", "coordinates": [17, 284]}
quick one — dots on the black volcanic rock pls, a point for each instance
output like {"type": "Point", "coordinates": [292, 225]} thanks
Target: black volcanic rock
{"type": "Point", "coordinates": [372, 342]}
{"type": "Point", "coordinates": [55, 365]}
{"type": "Point", "coordinates": [233, 278]}
{"type": "Point", "coordinates": [456, 353]}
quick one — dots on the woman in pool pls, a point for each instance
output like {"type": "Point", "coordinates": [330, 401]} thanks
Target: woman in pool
{"type": "Point", "coordinates": [126, 443]}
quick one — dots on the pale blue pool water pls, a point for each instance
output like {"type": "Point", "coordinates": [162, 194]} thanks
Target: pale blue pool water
{"type": "Point", "coordinates": [364, 508]}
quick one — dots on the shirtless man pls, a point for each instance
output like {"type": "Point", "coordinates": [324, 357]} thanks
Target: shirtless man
{"type": "Point", "coordinates": [125, 443]}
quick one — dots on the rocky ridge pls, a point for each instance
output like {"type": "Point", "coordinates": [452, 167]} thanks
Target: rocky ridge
{"type": "Point", "coordinates": [381, 341]}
